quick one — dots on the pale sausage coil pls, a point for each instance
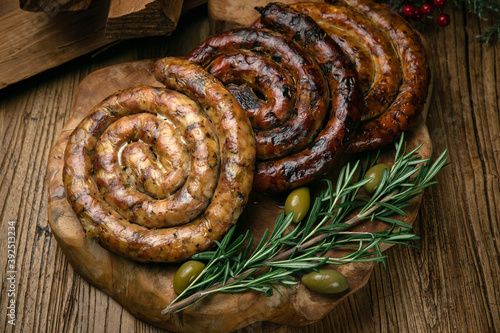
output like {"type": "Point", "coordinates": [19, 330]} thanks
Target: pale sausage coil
{"type": "Point", "coordinates": [159, 174]}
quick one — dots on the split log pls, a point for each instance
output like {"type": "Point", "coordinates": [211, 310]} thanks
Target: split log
{"type": "Point", "coordinates": [231, 14]}
{"type": "Point", "coordinates": [142, 18]}
{"type": "Point", "coordinates": [145, 289]}
{"type": "Point", "coordinates": [54, 6]}
{"type": "Point", "coordinates": [34, 42]}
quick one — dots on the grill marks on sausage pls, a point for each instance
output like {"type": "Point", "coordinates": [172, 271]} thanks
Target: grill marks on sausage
{"type": "Point", "coordinates": [390, 60]}
{"type": "Point", "coordinates": [412, 95]}
{"type": "Point", "coordinates": [275, 62]}
{"type": "Point", "coordinates": [260, 86]}
{"type": "Point", "coordinates": [231, 189]}
{"type": "Point", "coordinates": [344, 107]}
{"type": "Point", "coordinates": [278, 172]}
{"type": "Point", "coordinates": [366, 42]}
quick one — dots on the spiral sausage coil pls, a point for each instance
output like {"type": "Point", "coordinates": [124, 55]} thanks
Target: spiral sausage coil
{"type": "Point", "coordinates": [299, 90]}
{"type": "Point", "coordinates": [390, 60]}
{"type": "Point", "coordinates": [159, 174]}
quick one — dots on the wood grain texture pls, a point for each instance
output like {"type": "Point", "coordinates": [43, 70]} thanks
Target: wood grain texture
{"type": "Point", "coordinates": [54, 5]}
{"type": "Point", "coordinates": [229, 14]}
{"type": "Point", "coordinates": [35, 42]}
{"type": "Point", "coordinates": [449, 284]}
{"type": "Point", "coordinates": [132, 19]}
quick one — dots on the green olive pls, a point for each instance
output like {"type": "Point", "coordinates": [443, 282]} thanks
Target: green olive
{"type": "Point", "coordinates": [326, 281]}
{"type": "Point", "coordinates": [375, 172]}
{"type": "Point", "coordinates": [298, 201]}
{"type": "Point", "coordinates": [186, 274]}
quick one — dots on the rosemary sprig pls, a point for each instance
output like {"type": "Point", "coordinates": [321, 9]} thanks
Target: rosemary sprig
{"type": "Point", "coordinates": [481, 8]}
{"type": "Point", "coordinates": [284, 251]}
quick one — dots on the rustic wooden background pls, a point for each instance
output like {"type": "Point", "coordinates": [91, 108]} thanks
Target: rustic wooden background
{"type": "Point", "coordinates": [452, 283]}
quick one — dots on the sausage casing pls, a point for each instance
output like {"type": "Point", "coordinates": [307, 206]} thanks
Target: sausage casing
{"type": "Point", "coordinates": [398, 77]}
{"type": "Point", "coordinates": [345, 102]}
{"type": "Point", "coordinates": [304, 118]}
{"type": "Point", "coordinates": [223, 147]}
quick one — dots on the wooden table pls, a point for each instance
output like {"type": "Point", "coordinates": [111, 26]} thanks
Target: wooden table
{"type": "Point", "coordinates": [451, 283]}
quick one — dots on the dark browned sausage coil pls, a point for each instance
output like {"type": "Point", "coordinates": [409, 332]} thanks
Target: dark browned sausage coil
{"type": "Point", "coordinates": [305, 123]}
{"type": "Point", "coordinates": [158, 174]}
{"type": "Point", "coordinates": [390, 60]}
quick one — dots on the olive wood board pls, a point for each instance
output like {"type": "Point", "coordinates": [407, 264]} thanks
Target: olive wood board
{"type": "Point", "coordinates": [145, 289]}
{"type": "Point", "coordinates": [33, 42]}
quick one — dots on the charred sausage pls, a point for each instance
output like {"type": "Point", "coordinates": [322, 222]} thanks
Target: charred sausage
{"type": "Point", "coordinates": [304, 118]}
{"type": "Point", "coordinates": [345, 101]}
{"type": "Point", "coordinates": [361, 39]}
{"type": "Point", "coordinates": [399, 83]}
{"type": "Point", "coordinates": [292, 168]}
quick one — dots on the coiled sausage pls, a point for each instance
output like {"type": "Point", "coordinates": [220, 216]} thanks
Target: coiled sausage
{"type": "Point", "coordinates": [152, 130]}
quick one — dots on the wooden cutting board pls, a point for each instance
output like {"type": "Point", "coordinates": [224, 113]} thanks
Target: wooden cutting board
{"type": "Point", "coordinates": [145, 289]}
{"type": "Point", "coordinates": [231, 14]}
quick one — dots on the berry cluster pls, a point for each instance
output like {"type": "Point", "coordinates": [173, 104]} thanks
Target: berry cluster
{"type": "Point", "coordinates": [418, 13]}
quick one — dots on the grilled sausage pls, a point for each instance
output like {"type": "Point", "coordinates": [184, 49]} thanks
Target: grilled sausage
{"type": "Point", "coordinates": [369, 43]}
{"type": "Point", "coordinates": [291, 168]}
{"type": "Point", "coordinates": [216, 142]}
{"type": "Point", "coordinates": [345, 101]}
{"type": "Point", "coordinates": [259, 74]}
{"type": "Point", "coordinates": [400, 80]}
{"type": "Point", "coordinates": [125, 162]}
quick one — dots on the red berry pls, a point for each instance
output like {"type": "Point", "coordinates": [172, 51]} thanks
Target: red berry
{"type": "Point", "coordinates": [443, 19]}
{"type": "Point", "coordinates": [417, 15]}
{"type": "Point", "coordinates": [408, 10]}
{"type": "Point", "coordinates": [439, 3]}
{"type": "Point", "coordinates": [426, 8]}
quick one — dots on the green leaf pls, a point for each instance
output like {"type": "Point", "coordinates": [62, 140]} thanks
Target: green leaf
{"type": "Point", "coordinates": [394, 221]}
{"type": "Point", "coordinates": [233, 265]}
{"type": "Point", "coordinates": [392, 208]}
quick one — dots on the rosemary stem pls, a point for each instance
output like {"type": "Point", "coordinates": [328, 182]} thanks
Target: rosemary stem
{"type": "Point", "coordinates": [196, 296]}
{"type": "Point", "coordinates": [283, 255]}
{"type": "Point", "coordinates": [280, 255]}
{"type": "Point", "coordinates": [315, 240]}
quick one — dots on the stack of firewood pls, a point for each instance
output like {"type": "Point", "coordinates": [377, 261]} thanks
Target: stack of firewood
{"type": "Point", "coordinates": [126, 18]}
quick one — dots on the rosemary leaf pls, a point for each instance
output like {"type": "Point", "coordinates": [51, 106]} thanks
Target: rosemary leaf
{"type": "Point", "coordinates": [279, 255]}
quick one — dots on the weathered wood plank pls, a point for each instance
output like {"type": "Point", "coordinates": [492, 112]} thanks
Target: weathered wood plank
{"type": "Point", "coordinates": [450, 283]}
{"type": "Point", "coordinates": [54, 5]}
{"type": "Point", "coordinates": [8, 6]}
{"type": "Point", "coordinates": [459, 245]}
{"type": "Point", "coordinates": [35, 42]}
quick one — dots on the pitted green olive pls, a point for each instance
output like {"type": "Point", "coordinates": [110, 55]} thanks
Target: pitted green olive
{"type": "Point", "coordinates": [375, 172]}
{"type": "Point", "coordinates": [186, 274]}
{"type": "Point", "coordinates": [326, 281]}
{"type": "Point", "coordinates": [298, 201]}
